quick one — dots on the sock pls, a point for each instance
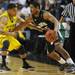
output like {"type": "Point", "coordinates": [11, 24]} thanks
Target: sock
{"type": "Point", "coordinates": [25, 64]}
{"type": "Point", "coordinates": [4, 60]}
{"type": "Point", "coordinates": [62, 61]}
{"type": "Point", "coordinates": [69, 61]}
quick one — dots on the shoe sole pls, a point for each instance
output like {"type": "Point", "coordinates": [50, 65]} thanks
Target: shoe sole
{"type": "Point", "coordinates": [72, 71]}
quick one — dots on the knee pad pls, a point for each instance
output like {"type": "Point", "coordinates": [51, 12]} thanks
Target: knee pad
{"type": "Point", "coordinates": [21, 50]}
{"type": "Point", "coordinates": [5, 45]}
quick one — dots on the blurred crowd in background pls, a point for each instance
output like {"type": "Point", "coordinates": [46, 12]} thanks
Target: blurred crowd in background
{"type": "Point", "coordinates": [54, 6]}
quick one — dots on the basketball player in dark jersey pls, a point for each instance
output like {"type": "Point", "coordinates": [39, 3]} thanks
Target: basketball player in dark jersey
{"type": "Point", "coordinates": [44, 19]}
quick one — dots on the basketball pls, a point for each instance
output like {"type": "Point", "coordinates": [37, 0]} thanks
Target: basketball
{"type": "Point", "coordinates": [50, 36]}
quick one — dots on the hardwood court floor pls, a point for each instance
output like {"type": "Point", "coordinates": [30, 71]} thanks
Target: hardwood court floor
{"type": "Point", "coordinates": [40, 68]}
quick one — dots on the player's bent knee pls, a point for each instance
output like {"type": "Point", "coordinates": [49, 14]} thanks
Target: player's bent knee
{"type": "Point", "coordinates": [21, 50]}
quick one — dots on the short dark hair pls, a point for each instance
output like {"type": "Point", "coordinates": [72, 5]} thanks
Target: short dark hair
{"type": "Point", "coordinates": [35, 4]}
{"type": "Point", "coordinates": [19, 6]}
{"type": "Point", "coordinates": [11, 5]}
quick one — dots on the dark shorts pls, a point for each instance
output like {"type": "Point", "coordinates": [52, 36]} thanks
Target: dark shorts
{"type": "Point", "coordinates": [50, 47]}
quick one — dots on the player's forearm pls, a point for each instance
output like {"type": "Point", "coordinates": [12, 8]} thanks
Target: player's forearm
{"type": "Point", "coordinates": [33, 26]}
{"type": "Point", "coordinates": [20, 19]}
{"type": "Point", "coordinates": [56, 24]}
{"type": "Point", "coordinates": [61, 19]}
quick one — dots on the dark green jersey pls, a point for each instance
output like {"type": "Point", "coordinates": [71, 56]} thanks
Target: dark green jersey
{"type": "Point", "coordinates": [40, 21]}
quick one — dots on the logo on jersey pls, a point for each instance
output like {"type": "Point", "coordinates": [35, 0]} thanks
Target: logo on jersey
{"type": "Point", "coordinates": [42, 24]}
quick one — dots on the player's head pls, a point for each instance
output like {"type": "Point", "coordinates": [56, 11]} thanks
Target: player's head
{"type": "Point", "coordinates": [35, 7]}
{"type": "Point", "coordinates": [12, 9]}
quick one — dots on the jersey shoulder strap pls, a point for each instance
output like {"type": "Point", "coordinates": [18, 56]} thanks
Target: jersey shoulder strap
{"type": "Point", "coordinates": [41, 13]}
